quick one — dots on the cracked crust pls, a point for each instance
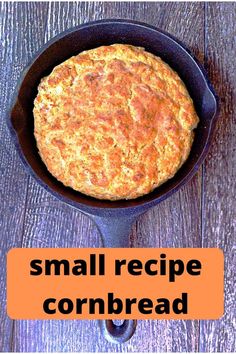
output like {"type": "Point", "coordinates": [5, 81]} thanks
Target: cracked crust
{"type": "Point", "coordinates": [113, 122]}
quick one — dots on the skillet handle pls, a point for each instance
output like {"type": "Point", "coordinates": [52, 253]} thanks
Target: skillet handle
{"type": "Point", "coordinates": [114, 230]}
{"type": "Point", "coordinates": [115, 233]}
{"type": "Point", "coordinates": [117, 333]}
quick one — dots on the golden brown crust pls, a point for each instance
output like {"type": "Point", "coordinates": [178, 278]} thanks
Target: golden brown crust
{"type": "Point", "coordinates": [113, 122]}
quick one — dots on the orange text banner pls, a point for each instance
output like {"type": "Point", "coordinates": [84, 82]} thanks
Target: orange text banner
{"type": "Point", "coordinates": [115, 283]}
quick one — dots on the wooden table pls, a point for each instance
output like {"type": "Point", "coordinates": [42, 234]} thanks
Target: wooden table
{"type": "Point", "coordinates": [200, 215]}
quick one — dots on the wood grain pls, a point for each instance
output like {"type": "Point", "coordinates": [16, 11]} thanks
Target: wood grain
{"type": "Point", "coordinates": [219, 171]}
{"type": "Point", "coordinates": [14, 52]}
{"type": "Point", "coordinates": [191, 218]}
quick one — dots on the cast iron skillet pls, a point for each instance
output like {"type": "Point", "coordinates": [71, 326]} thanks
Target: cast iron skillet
{"type": "Point", "coordinates": [114, 219]}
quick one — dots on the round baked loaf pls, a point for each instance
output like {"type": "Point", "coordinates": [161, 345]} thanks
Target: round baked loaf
{"type": "Point", "coordinates": [113, 122]}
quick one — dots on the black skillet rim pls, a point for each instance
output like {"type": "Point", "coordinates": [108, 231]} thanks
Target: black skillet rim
{"type": "Point", "coordinates": [139, 206]}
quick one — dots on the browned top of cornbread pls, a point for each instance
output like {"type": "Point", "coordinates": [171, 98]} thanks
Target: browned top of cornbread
{"type": "Point", "coordinates": [113, 122]}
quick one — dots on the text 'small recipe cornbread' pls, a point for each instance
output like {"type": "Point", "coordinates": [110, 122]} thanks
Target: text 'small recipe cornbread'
{"type": "Point", "coordinates": [113, 122]}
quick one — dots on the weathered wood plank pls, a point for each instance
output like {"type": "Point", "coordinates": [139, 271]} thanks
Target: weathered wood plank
{"type": "Point", "coordinates": [174, 223]}
{"type": "Point", "coordinates": [219, 177]}
{"type": "Point", "coordinates": [14, 54]}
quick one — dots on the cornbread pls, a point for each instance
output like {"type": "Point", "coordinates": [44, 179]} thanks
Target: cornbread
{"type": "Point", "coordinates": [113, 122]}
